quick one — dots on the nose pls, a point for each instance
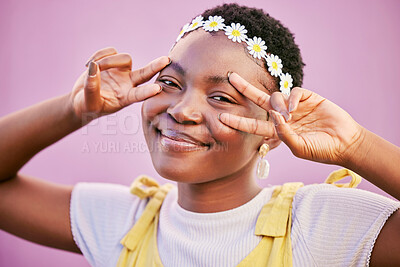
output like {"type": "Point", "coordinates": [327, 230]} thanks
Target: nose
{"type": "Point", "coordinates": [186, 109]}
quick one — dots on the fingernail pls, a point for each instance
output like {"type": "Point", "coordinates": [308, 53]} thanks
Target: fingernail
{"type": "Point", "coordinates": [170, 61]}
{"type": "Point", "coordinates": [87, 63]}
{"type": "Point", "coordinates": [291, 107]}
{"type": "Point", "coordinates": [273, 118]}
{"type": "Point", "coordinates": [229, 74]}
{"type": "Point", "coordinates": [285, 114]}
{"type": "Point", "coordinates": [161, 88]}
{"type": "Point", "coordinates": [92, 68]}
{"type": "Point", "coordinates": [277, 119]}
{"type": "Point", "coordinates": [219, 116]}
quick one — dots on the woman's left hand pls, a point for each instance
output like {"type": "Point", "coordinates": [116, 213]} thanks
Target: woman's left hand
{"type": "Point", "coordinates": [315, 128]}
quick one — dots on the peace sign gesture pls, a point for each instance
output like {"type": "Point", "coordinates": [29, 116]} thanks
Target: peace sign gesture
{"type": "Point", "coordinates": [109, 84]}
{"type": "Point", "coordinates": [313, 127]}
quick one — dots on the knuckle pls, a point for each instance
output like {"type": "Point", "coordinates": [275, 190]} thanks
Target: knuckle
{"type": "Point", "coordinates": [296, 90]}
{"type": "Point", "coordinates": [136, 96]}
{"type": "Point", "coordinates": [104, 52]}
{"type": "Point", "coordinates": [90, 87]}
{"type": "Point", "coordinates": [254, 126]}
{"type": "Point", "coordinates": [142, 73]}
{"type": "Point", "coordinates": [153, 67]}
{"type": "Point", "coordinates": [110, 50]}
{"type": "Point", "coordinates": [247, 85]}
{"type": "Point", "coordinates": [132, 96]}
{"type": "Point", "coordinates": [104, 61]}
{"type": "Point", "coordinates": [125, 57]}
{"type": "Point", "coordinates": [235, 122]}
{"type": "Point", "coordinates": [262, 99]}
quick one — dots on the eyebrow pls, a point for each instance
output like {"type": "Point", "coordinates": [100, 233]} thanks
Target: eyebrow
{"type": "Point", "coordinates": [178, 68]}
{"type": "Point", "coordinates": [212, 79]}
{"type": "Point", "coordinates": [217, 79]}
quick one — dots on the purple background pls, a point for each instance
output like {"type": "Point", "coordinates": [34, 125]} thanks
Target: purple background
{"type": "Point", "coordinates": [350, 48]}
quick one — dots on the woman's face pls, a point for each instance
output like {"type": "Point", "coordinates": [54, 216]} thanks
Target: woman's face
{"type": "Point", "coordinates": [187, 142]}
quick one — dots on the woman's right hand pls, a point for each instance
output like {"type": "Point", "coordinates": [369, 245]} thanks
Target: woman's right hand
{"type": "Point", "coordinates": [109, 84]}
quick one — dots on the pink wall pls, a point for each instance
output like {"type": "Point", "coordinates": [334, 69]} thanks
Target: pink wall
{"type": "Point", "coordinates": [350, 48]}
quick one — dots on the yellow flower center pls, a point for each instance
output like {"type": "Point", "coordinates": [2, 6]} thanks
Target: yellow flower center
{"type": "Point", "coordinates": [213, 24]}
{"type": "Point", "coordinates": [274, 65]}
{"type": "Point", "coordinates": [236, 33]}
{"type": "Point", "coordinates": [194, 24]}
{"type": "Point", "coordinates": [286, 84]}
{"type": "Point", "coordinates": [256, 48]}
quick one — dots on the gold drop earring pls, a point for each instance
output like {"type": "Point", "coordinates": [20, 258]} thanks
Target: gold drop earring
{"type": "Point", "coordinates": [263, 164]}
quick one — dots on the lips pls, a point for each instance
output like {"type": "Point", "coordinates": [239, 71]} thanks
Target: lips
{"type": "Point", "coordinates": [176, 141]}
{"type": "Point", "coordinates": [181, 137]}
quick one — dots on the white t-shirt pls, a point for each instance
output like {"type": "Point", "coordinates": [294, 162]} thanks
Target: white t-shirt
{"type": "Point", "coordinates": [330, 226]}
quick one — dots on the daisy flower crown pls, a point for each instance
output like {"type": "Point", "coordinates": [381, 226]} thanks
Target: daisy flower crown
{"type": "Point", "coordinates": [256, 46]}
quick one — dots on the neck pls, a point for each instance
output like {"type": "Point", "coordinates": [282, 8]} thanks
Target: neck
{"type": "Point", "coordinates": [218, 195]}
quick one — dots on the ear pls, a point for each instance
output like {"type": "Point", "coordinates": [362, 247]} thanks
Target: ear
{"type": "Point", "coordinates": [272, 142]}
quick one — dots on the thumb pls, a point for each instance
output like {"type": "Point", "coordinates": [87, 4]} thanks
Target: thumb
{"type": "Point", "coordinates": [286, 133]}
{"type": "Point", "coordinates": [92, 88]}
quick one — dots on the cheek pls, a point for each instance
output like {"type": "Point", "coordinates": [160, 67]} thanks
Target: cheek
{"type": "Point", "coordinates": [237, 143]}
{"type": "Point", "coordinates": [153, 106]}
{"type": "Point", "coordinates": [234, 142]}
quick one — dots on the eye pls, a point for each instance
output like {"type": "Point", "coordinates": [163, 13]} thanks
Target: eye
{"type": "Point", "coordinates": [223, 99]}
{"type": "Point", "coordinates": [169, 83]}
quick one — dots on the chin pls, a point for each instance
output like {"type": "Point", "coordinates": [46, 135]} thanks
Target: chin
{"type": "Point", "coordinates": [179, 170]}
{"type": "Point", "coordinates": [178, 163]}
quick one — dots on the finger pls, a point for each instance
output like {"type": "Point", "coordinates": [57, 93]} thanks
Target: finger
{"type": "Point", "coordinates": [257, 96]}
{"type": "Point", "coordinates": [92, 88]}
{"type": "Point", "coordinates": [121, 61]}
{"type": "Point", "coordinates": [141, 93]}
{"type": "Point", "coordinates": [108, 51]}
{"type": "Point", "coordinates": [296, 95]}
{"type": "Point", "coordinates": [286, 133]}
{"type": "Point", "coordinates": [278, 103]}
{"type": "Point", "coordinates": [248, 125]}
{"type": "Point", "coordinates": [146, 73]}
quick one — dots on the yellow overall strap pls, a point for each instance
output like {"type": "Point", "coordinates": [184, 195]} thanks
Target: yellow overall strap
{"type": "Point", "coordinates": [275, 220]}
{"type": "Point", "coordinates": [340, 174]}
{"type": "Point", "coordinates": [140, 243]}
{"type": "Point", "coordinates": [274, 224]}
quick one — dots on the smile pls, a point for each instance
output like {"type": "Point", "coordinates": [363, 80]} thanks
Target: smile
{"type": "Point", "coordinates": [171, 140]}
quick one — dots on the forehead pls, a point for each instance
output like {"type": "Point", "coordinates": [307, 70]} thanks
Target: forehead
{"type": "Point", "coordinates": [200, 53]}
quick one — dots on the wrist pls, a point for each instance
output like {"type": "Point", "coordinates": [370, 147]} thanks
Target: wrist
{"type": "Point", "coordinates": [357, 151]}
{"type": "Point", "coordinates": [77, 115]}
{"type": "Point", "coordinates": [76, 120]}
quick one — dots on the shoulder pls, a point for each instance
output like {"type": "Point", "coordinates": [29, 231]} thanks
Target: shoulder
{"type": "Point", "coordinates": [339, 225]}
{"type": "Point", "coordinates": [103, 196]}
{"type": "Point", "coordinates": [318, 197]}
{"type": "Point", "coordinates": [100, 215]}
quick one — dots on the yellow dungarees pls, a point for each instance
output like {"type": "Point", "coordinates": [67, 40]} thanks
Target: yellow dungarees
{"type": "Point", "coordinates": [273, 224]}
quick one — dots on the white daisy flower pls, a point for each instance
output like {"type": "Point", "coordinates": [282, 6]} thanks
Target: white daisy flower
{"type": "Point", "coordinates": [257, 47]}
{"type": "Point", "coordinates": [183, 31]}
{"type": "Point", "coordinates": [196, 22]}
{"type": "Point", "coordinates": [286, 83]}
{"type": "Point", "coordinates": [274, 65]}
{"type": "Point", "coordinates": [214, 23]}
{"type": "Point", "coordinates": [236, 32]}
